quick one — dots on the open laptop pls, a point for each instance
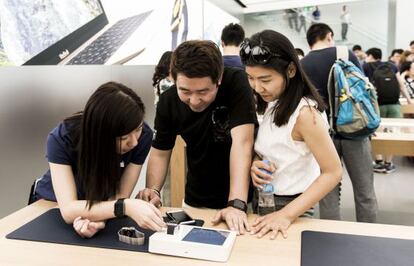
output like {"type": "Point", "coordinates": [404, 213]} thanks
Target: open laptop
{"type": "Point", "coordinates": [64, 32]}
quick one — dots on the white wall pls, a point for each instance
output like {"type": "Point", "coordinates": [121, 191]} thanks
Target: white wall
{"type": "Point", "coordinates": [370, 16]}
{"type": "Point", "coordinates": [369, 23]}
{"type": "Point", "coordinates": [404, 21]}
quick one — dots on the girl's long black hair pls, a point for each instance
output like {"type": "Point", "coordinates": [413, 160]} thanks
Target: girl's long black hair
{"type": "Point", "coordinates": [162, 69]}
{"type": "Point", "coordinates": [112, 111]}
{"type": "Point", "coordinates": [297, 87]}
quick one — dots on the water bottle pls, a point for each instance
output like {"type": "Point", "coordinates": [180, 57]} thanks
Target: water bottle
{"type": "Point", "coordinates": [266, 202]}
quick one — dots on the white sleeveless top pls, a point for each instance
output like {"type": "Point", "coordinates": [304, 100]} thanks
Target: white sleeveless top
{"type": "Point", "coordinates": [296, 167]}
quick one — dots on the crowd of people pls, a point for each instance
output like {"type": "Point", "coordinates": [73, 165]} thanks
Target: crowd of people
{"type": "Point", "coordinates": [212, 100]}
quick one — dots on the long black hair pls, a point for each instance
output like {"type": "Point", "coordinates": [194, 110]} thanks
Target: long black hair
{"type": "Point", "coordinates": [297, 87]}
{"type": "Point", "coordinates": [162, 69]}
{"type": "Point", "coordinates": [112, 111]}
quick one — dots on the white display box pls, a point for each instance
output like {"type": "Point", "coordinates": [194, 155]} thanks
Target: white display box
{"type": "Point", "coordinates": [194, 242]}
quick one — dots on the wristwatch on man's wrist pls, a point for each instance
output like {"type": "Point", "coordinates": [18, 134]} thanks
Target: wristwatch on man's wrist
{"type": "Point", "coordinates": [119, 208]}
{"type": "Point", "coordinates": [238, 204]}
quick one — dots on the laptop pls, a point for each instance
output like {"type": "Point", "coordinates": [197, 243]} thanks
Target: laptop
{"type": "Point", "coordinates": [327, 249]}
{"type": "Point", "coordinates": [64, 32]}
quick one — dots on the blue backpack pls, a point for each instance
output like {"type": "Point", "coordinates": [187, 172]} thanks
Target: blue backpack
{"type": "Point", "coordinates": [353, 106]}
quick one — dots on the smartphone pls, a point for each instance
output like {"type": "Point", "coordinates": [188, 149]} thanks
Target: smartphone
{"type": "Point", "coordinates": [180, 217]}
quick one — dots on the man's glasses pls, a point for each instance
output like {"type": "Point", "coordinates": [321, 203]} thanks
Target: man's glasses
{"type": "Point", "coordinates": [259, 54]}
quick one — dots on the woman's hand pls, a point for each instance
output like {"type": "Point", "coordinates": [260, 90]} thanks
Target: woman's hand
{"type": "Point", "coordinates": [271, 223]}
{"type": "Point", "coordinates": [145, 214]}
{"type": "Point", "coordinates": [86, 228]}
{"type": "Point", "coordinates": [260, 177]}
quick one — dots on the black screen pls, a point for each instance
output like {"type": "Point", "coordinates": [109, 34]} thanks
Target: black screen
{"type": "Point", "coordinates": [180, 216]}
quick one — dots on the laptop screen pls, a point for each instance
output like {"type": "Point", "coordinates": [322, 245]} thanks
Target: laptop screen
{"type": "Point", "coordinates": [45, 31]}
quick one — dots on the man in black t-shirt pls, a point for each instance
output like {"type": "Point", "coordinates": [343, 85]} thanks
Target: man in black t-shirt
{"type": "Point", "coordinates": [232, 36]}
{"type": "Point", "coordinates": [355, 153]}
{"type": "Point", "coordinates": [213, 110]}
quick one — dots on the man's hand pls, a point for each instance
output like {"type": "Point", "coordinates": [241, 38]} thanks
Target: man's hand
{"type": "Point", "coordinates": [86, 228]}
{"type": "Point", "coordinates": [235, 219]}
{"type": "Point", "coordinates": [150, 195]}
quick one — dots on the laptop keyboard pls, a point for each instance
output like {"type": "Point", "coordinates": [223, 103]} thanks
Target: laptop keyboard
{"type": "Point", "coordinates": [100, 50]}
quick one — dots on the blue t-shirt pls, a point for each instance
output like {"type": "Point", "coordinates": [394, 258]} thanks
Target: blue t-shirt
{"type": "Point", "coordinates": [232, 61]}
{"type": "Point", "coordinates": [60, 150]}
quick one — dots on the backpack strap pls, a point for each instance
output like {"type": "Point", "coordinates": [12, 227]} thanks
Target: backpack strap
{"type": "Point", "coordinates": [342, 53]}
{"type": "Point", "coordinates": [332, 100]}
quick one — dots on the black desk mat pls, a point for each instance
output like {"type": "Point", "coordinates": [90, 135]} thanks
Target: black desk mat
{"type": "Point", "coordinates": [328, 249]}
{"type": "Point", "coordinates": [50, 227]}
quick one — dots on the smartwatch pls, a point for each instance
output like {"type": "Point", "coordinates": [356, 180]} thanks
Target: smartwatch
{"type": "Point", "coordinates": [119, 208]}
{"type": "Point", "coordinates": [238, 204]}
{"type": "Point", "coordinates": [131, 236]}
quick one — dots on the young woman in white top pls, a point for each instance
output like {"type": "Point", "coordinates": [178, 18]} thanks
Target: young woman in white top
{"type": "Point", "coordinates": [293, 135]}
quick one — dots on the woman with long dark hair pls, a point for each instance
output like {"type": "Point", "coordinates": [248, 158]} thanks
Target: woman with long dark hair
{"type": "Point", "coordinates": [95, 158]}
{"type": "Point", "coordinates": [293, 135]}
{"type": "Point", "coordinates": [162, 79]}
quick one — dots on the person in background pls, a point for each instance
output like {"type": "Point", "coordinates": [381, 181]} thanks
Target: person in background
{"type": "Point", "coordinates": [359, 53]}
{"type": "Point", "coordinates": [300, 53]}
{"type": "Point", "coordinates": [212, 108]}
{"type": "Point", "coordinates": [388, 97]}
{"type": "Point", "coordinates": [345, 20]}
{"type": "Point", "coordinates": [231, 37]}
{"type": "Point", "coordinates": [355, 153]}
{"type": "Point", "coordinates": [293, 18]}
{"type": "Point", "coordinates": [396, 56]}
{"type": "Point", "coordinates": [316, 15]}
{"type": "Point", "coordinates": [406, 56]}
{"type": "Point", "coordinates": [302, 20]}
{"type": "Point", "coordinates": [412, 46]}
{"type": "Point", "coordinates": [95, 158]}
{"type": "Point", "coordinates": [293, 136]}
{"type": "Point", "coordinates": [179, 23]}
{"type": "Point", "coordinates": [162, 80]}
{"type": "Point", "coordinates": [407, 72]}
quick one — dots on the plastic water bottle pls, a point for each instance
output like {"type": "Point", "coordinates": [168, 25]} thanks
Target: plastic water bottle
{"type": "Point", "coordinates": [266, 200]}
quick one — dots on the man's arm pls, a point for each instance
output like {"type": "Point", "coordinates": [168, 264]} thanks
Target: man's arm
{"type": "Point", "coordinates": [240, 161]}
{"type": "Point", "coordinates": [157, 170]}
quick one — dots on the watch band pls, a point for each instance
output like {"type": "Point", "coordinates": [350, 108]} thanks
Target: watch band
{"type": "Point", "coordinates": [238, 204]}
{"type": "Point", "coordinates": [119, 208]}
{"type": "Point", "coordinates": [131, 235]}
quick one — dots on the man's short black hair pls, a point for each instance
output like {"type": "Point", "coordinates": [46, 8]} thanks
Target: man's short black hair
{"type": "Point", "coordinates": [317, 32]}
{"type": "Point", "coordinates": [356, 47]}
{"type": "Point", "coordinates": [375, 52]}
{"type": "Point", "coordinates": [232, 34]}
{"type": "Point", "coordinates": [397, 51]}
{"type": "Point", "coordinates": [412, 42]}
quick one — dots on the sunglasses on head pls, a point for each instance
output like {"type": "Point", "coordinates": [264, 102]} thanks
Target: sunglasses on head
{"type": "Point", "coordinates": [259, 54]}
